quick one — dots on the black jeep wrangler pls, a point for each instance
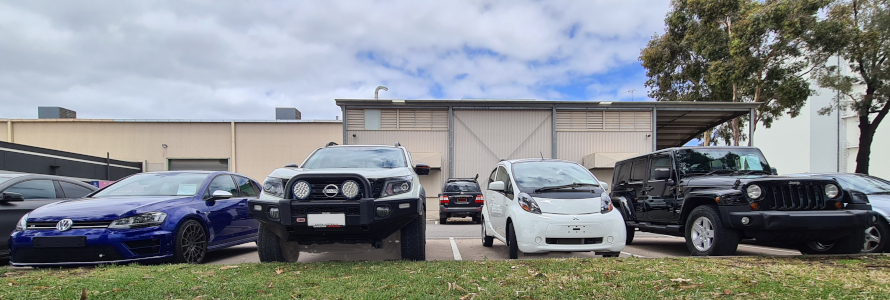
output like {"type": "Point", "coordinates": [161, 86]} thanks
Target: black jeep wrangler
{"type": "Point", "coordinates": [716, 196]}
{"type": "Point", "coordinates": [460, 197]}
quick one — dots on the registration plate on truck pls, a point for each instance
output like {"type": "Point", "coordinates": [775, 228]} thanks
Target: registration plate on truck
{"type": "Point", "coordinates": [326, 220]}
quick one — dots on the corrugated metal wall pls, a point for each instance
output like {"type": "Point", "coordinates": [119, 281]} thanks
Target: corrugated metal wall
{"type": "Point", "coordinates": [3, 130]}
{"type": "Point", "coordinates": [483, 137]}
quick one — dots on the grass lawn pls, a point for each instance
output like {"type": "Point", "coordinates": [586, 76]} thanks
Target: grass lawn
{"type": "Point", "coordinates": [859, 277]}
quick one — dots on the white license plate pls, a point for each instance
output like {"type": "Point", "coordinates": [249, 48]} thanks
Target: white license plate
{"type": "Point", "coordinates": [325, 220]}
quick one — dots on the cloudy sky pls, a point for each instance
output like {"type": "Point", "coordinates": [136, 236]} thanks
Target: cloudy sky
{"type": "Point", "coordinates": [240, 59]}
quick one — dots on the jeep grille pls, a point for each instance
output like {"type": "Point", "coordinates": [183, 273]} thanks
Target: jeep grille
{"type": "Point", "coordinates": [805, 196]}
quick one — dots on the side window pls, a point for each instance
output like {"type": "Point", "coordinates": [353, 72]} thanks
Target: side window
{"type": "Point", "coordinates": [491, 178]}
{"type": "Point", "coordinates": [621, 173]}
{"type": "Point", "coordinates": [74, 191]}
{"type": "Point", "coordinates": [508, 184]}
{"type": "Point", "coordinates": [659, 162]}
{"type": "Point", "coordinates": [221, 183]}
{"type": "Point", "coordinates": [34, 189]}
{"type": "Point", "coordinates": [247, 188]}
{"type": "Point", "coordinates": [638, 171]}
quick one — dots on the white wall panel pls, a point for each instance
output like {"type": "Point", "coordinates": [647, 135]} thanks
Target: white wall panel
{"type": "Point", "coordinates": [574, 145]}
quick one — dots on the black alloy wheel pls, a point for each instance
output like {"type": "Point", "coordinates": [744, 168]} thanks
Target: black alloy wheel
{"type": "Point", "coordinates": [191, 243]}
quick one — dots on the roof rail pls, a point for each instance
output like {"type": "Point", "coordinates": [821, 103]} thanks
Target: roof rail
{"type": "Point", "coordinates": [331, 144]}
{"type": "Point", "coordinates": [398, 145]}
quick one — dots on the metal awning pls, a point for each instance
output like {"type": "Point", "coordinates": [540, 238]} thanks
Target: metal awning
{"type": "Point", "coordinates": [678, 124]}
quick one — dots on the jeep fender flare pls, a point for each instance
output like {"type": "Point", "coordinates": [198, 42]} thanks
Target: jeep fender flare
{"type": "Point", "coordinates": [705, 197]}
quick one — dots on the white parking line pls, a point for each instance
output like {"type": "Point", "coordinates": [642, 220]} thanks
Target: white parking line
{"type": "Point", "coordinates": [633, 255]}
{"type": "Point", "coordinates": [771, 249]}
{"type": "Point", "coordinates": [454, 249]}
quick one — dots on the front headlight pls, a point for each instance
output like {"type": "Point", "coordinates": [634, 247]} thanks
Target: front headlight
{"type": "Point", "coordinates": [148, 219]}
{"type": "Point", "coordinates": [754, 191]}
{"type": "Point", "coordinates": [832, 191]}
{"type": "Point", "coordinates": [274, 187]}
{"type": "Point", "coordinates": [606, 203]}
{"type": "Point", "coordinates": [528, 204]}
{"type": "Point", "coordinates": [22, 224]}
{"type": "Point", "coordinates": [396, 185]}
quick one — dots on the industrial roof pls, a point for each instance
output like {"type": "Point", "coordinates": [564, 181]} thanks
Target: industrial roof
{"type": "Point", "coordinates": [677, 122]}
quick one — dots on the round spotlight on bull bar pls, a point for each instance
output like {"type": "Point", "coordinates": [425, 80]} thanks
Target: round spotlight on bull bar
{"type": "Point", "coordinates": [302, 189]}
{"type": "Point", "coordinates": [832, 191]}
{"type": "Point", "coordinates": [350, 189]}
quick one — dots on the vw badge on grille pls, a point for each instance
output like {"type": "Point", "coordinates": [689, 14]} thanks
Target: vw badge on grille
{"type": "Point", "coordinates": [64, 225]}
{"type": "Point", "coordinates": [331, 190]}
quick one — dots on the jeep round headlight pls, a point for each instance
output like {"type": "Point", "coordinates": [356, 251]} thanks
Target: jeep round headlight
{"type": "Point", "coordinates": [350, 189]}
{"type": "Point", "coordinates": [302, 190]}
{"type": "Point", "coordinates": [832, 191]}
{"type": "Point", "coordinates": [754, 191]}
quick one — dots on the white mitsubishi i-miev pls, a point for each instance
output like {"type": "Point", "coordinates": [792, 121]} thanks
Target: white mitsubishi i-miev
{"type": "Point", "coordinates": [543, 205]}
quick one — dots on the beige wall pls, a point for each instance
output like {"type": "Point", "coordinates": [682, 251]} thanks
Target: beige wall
{"type": "Point", "coordinates": [574, 145]}
{"type": "Point", "coordinates": [260, 147]}
{"type": "Point", "coordinates": [3, 129]}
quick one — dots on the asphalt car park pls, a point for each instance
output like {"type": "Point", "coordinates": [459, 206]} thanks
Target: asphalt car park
{"type": "Point", "coordinates": [459, 240]}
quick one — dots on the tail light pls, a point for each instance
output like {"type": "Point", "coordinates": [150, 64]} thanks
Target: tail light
{"type": "Point", "coordinates": [479, 199]}
{"type": "Point", "coordinates": [443, 200]}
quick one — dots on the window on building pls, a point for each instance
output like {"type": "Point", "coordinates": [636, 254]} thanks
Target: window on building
{"type": "Point", "coordinates": [190, 164]}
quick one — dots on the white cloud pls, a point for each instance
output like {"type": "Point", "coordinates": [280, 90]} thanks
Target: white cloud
{"type": "Point", "coordinates": [238, 60]}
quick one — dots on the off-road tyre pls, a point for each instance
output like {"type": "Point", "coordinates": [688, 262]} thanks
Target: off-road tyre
{"type": "Point", "coordinates": [190, 244]}
{"type": "Point", "coordinates": [414, 239]}
{"type": "Point", "coordinates": [720, 240]}
{"type": "Point", "coordinates": [512, 245]}
{"type": "Point", "coordinates": [269, 245]}
{"type": "Point", "coordinates": [849, 244]}
{"type": "Point", "coordinates": [487, 240]}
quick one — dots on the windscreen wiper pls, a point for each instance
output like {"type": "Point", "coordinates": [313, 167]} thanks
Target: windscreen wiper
{"type": "Point", "coordinates": [558, 187]}
{"type": "Point", "coordinates": [718, 171]}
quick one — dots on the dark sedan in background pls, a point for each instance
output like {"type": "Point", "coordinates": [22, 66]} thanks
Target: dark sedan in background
{"type": "Point", "coordinates": [877, 192]}
{"type": "Point", "coordinates": [21, 193]}
{"type": "Point", "coordinates": [147, 217]}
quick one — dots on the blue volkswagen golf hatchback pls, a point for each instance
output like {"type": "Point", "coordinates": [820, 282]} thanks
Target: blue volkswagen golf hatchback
{"type": "Point", "coordinates": [147, 217]}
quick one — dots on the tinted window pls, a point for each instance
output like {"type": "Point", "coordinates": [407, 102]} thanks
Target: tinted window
{"type": "Point", "coordinates": [508, 184]}
{"type": "Point", "coordinates": [222, 183]}
{"type": "Point", "coordinates": [74, 191]}
{"type": "Point", "coordinates": [247, 188]}
{"type": "Point", "coordinates": [457, 187]}
{"type": "Point", "coordinates": [34, 189]}
{"type": "Point", "coordinates": [491, 178]}
{"type": "Point", "coordinates": [534, 175]}
{"type": "Point", "coordinates": [638, 171]}
{"type": "Point", "coordinates": [356, 157]}
{"type": "Point", "coordinates": [622, 173]}
{"type": "Point", "coordinates": [729, 160]}
{"type": "Point", "coordinates": [659, 162]}
{"type": "Point", "coordinates": [155, 184]}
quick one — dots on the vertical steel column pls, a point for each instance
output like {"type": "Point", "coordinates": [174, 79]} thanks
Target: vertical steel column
{"type": "Point", "coordinates": [233, 164]}
{"type": "Point", "coordinates": [9, 131]}
{"type": "Point", "coordinates": [343, 114]}
{"type": "Point", "coordinates": [553, 132]}
{"type": "Point", "coordinates": [654, 128]}
{"type": "Point", "coordinates": [450, 142]}
{"type": "Point", "coordinates": [751, 128]}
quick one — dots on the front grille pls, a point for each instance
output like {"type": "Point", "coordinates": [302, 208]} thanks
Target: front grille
{"type": "Point", "coordinates": [318, 184]}
{"type": "Point", "coordinates": [796, 197]}
{"type": "Point", "coordinates": [74, 225]}
{"type": "Point", "coordinates": [145, 247]}
{"type": "Point", "coordinates": [573, 241]}
{"type": "Point", "coordinates": [338, 209]}
{"type": "Point", "coordinates": [66, 254]}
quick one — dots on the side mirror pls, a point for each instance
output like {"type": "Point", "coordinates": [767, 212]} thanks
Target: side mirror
{"type": "Point", "coordinates": [291, 166]}
{"type": "Point", "coordinates": [662, 173]}
{"type": "Point", "coordinates": [496, 186]}
{"type": "Point", "coordinates": [11, 197]}
{"type": "Point", "coordinates": [219, 195]}
{"type": "Point", "coordinates": [775, 172]}
{"type": "Point", "coordinates": [604, 185]}
{"type": "Point", "coordinates": [422, 169]}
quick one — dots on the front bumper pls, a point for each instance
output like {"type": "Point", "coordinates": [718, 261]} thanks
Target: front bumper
{"type": "Point", "coordinates": [363, 225]}
{"type": "Point", "coordinates": [102, 246]}
{"type": "Point", "coordinates": [542, 233]}
{"type": "Point", "coordinates": [797, 225]}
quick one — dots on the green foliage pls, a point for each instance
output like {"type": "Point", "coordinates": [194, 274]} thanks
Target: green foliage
{"type": "Point", "coordinates": [735, 50]}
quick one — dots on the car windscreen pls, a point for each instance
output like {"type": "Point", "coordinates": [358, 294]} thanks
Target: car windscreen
{"type": "Point", "coordinates": [155, 184]}
{"type": "Point", "coordinates": [720, 160]}
{"type": "Point", "coordinates": [865, 184]}
{"type": "Point", "coordinates": [356, 157]}
{"type": "Point", "coordinates": [5, 178]}
{"type": "Point", "coordinates": [465, 187]}
{"type": "Point", "coordinates": [536, 175]}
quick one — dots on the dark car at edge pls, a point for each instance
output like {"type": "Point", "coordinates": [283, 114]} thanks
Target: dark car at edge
{"type": "Point", "coordinates": [461, 197]}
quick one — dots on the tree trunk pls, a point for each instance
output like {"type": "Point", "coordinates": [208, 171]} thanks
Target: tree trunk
{"type": "Point", "coordinates": [735, 122]}
{"type": "Point", "coordinates": [866, 135]}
